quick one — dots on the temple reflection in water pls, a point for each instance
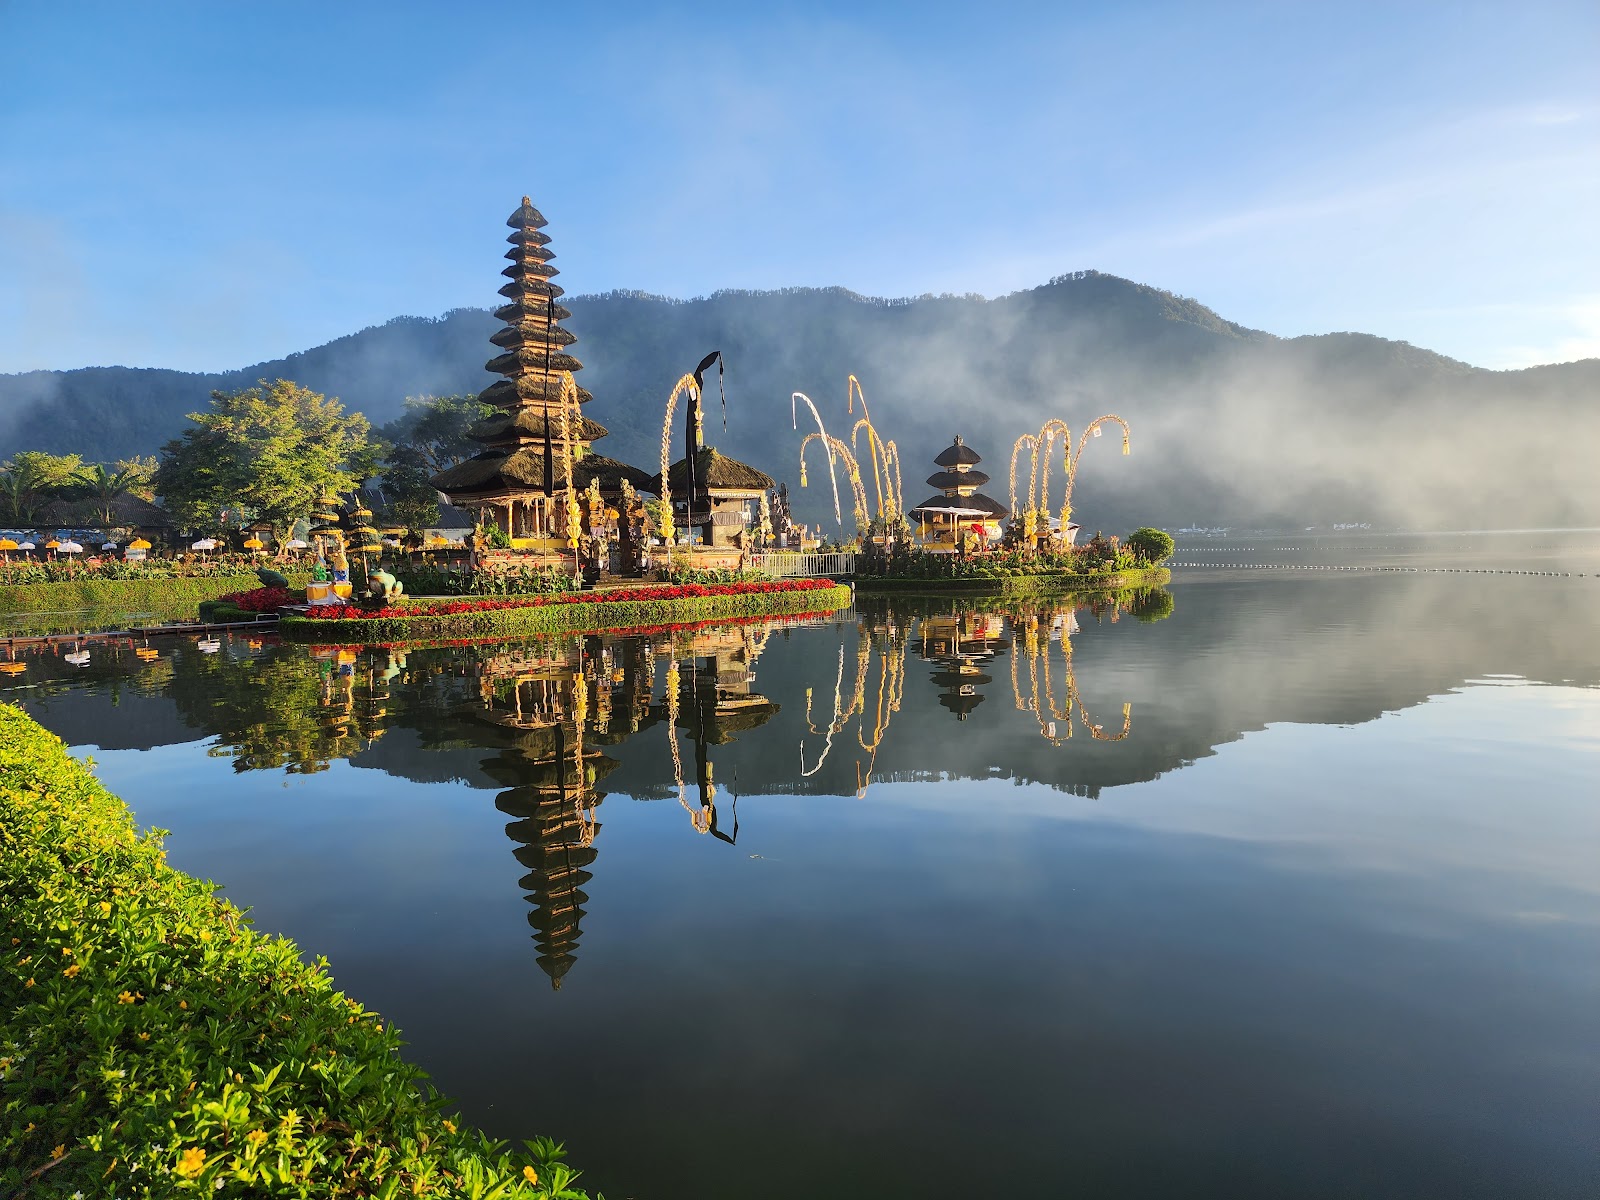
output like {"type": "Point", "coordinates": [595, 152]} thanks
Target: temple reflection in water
{"type": "Point", "coordinates": [543, 720]}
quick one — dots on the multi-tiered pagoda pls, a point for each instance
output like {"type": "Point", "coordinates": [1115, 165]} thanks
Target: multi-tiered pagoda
{"type": "Point", "coordinates": [960, 507]}
{"type": "Point", "coordinates": [511, 484]}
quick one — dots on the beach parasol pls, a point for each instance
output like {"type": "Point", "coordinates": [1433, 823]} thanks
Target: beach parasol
{"type": "Point", "coordinates": [52, 544]}
{"type": "Point", "coordinates": [205, 544]}
{"type": "Point", "coordinates": [108, 545]}
{"type": "Point", "coordinates": [253, 543]}
{"type": "Point", "coordinates": [68, 547]}
{"type": "Point", "coordinates": [138, 544]}
{"type": "Point", "coordinates": [296, 544]}
{"type": "Point", "coordinates": [25, 546]}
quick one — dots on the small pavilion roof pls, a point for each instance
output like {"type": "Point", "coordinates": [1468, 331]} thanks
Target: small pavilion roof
{"type": "Point", "coordinates": [950, 479]}
{"type": "Point", "coordinates": [716, 470]}
{"type": "Point", "coordinates": [977, 500]}
{"type": "Point", "coordinates": [958, 454]}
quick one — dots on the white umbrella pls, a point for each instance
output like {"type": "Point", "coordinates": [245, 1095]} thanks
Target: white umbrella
{"type": "Point", "coordinates": [108, 545]}
{"type": "Point", "coordinates": [205, 544]}
{"type": "Point", "coordinates": [69, 548]}
{"type": "Point", "coordinates": [296, 544]}
{"type": "Point", "coordinates": [25, 546]}
{"type": "Point", "coordinates": [958, 512]}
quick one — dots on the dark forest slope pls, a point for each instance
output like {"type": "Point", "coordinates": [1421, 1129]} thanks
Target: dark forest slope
{"type": "Point", "coordinates": [1231, 425]}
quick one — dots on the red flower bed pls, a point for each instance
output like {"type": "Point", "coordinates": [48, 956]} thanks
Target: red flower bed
{"type": "Point", "coordinates": [262, 599]}
{"type": "Point", "coordinates": [652, 592]}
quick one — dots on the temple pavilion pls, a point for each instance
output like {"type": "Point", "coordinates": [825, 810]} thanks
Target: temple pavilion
{"type": "Point", "coordinates": [517, 481]}
{"type": "Point", "coordinates": [713, 493]}
{"type": "Point", "coordinates": [960, 506]}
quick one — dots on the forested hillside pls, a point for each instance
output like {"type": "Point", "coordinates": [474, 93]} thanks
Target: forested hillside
{"type": "Point", "coordinates": [1231, 425]}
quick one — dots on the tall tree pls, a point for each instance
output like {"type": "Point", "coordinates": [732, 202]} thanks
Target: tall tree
{"type": "Point", "coordinates": [268, 451]}
{"type": "Point", "coordinates": [430, 436]}
{"type": "Point", "coordinates": [102, 486]}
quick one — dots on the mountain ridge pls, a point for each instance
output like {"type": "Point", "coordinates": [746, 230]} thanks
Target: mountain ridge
{"type": "Point", "coordinates": [1200, 390]}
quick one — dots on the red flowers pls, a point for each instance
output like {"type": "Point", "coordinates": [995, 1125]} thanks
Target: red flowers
{"type": "Point", "coordinates": [631, 595]}
{"type": "Point", "coordinates": [262, 599]}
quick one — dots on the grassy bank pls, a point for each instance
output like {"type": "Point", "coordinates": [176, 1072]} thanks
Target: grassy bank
{"type": "Point", "coordinates": [130, 595]}
{"type": "Point", "coordinates": [556, 617]}
{"type": "Point", "coordinates": [1016, 583]}
{"type": "Point", "coordinates": [153, 1044]}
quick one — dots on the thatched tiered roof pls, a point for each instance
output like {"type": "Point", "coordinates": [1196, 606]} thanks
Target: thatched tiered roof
{"type": "Point", "coordinates": [958, 459]}
{"type": "Point", "coordinates": [958, 454]}
{"type": "Point", "coordinates": [533, 359]}
{"type": "Point", "coordinates": [716, 470]}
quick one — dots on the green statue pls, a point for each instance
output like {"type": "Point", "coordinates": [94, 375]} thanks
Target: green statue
{"type": "Point", "coordinates": [383, 586]}
{"type": "Point", "coordinates": [272, 579]}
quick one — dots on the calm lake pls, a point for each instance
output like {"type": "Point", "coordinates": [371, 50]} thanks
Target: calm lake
{"type": "Point", "coordinates": [1291, 891]}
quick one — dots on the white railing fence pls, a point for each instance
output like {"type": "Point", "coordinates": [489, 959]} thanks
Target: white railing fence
{"type": "Point", "coordinates": [784, 564]}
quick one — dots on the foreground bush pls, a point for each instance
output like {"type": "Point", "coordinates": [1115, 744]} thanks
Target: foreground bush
{"type": "Point", "coordinates": [141, 594]}
{"type": "Point", "coordinates": [153, 1044]}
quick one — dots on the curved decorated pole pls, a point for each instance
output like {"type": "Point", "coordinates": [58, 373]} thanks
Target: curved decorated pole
{"type": "Point", "coordinates": [832, 477]}
{"type": "Point", "coordinates": [874, 443]}
{"type": "Point", "coordinates": [1090, 430]}
{"type": "Point", "coordinates": [684, 387]}
{"type": "Point", "coordinates": [1046, 440]}
{"type": "Point", "coordinates": [891, 454]}
{"type": "Point", "coordinates": [1016, 449]}
{"type": "Point", "coordinates": [569, 404]}
{"type": "Point", "coordinates": [858, 490]}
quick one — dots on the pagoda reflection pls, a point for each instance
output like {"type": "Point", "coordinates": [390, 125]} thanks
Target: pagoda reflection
{"type": "Point", "coordinates": [961, 645]}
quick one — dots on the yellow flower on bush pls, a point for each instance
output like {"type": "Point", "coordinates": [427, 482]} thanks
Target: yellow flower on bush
{"type": "Point", "coordinates": [256, 1136]}
{"type": "Point", "coordinates": [450, 1126]}
{"type": "Point", "coordinates": [105, 908]}
{"type": "Point", "coordinates": [125, 997]}
{"type": "Point", "coordinates": [71, 971]}
{"type": "Point", "coordinates": [530, 1174]}
{"type": "Point", "coordinates": [30, 982]}
{"type": "Point", "coordinates": [192, 1162]}
{"type": "Point", "coordinates": [60, 1151]}
{"type": "Point", "coordinates": [205, 935]}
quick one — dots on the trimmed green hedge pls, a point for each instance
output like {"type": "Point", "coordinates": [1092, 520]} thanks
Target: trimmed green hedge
{"type": "Point", "coordinates": [128, 594]}
{"type": "Point", "coordinates": [563, 618]}
{"type": "Point", "coordinates": [153, 1044]}
{"type": "Point", "coordinates": [1018, 584]}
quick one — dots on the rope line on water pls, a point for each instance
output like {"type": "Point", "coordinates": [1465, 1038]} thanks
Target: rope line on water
{"type": "Point", "coordinates": [1246, 566]}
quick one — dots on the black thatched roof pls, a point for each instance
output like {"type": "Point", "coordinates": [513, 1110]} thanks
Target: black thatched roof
{"type": "Point", "coordinates": [523, 251]}
{"type": "Point", "coordinates": [531, 359]}
{"type": "Point", "coordinates": [527, 217]}
{"type": "Point", "coordinates": [529, 237]}
{"type": "Point", "coordinates": [529, 269]}
{"type": "Point", "coordinates": [523, 470]}
{"type": "Point", "coordinates": [529, 423]}
{"type": "Point", "coordinates": [509, 393]}
{"type": "Point", "coordinates": [958, 454]}
{"type": "Point", "coordinates": [520, 288]}
{"type": "Point", "coordinates": [533, 334]}
{"type": "Point", "coordinates": [714, 470]}
{"type": "Point", "coordinates": [127, 512]}
{"type": "Point", "coordinates": [519, 310]}
{"type": "Point", "coordinates": [994, 508]}
{"type": "Point", "coordinates": [951, 479]}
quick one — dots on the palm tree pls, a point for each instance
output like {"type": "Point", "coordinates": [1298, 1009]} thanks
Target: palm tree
{"type": "Point", "coordinates": [103, 486]}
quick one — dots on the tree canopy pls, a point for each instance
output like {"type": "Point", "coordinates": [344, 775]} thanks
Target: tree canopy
{"type": "Point", "coordinates": [428, 437]}
{"type": "Point", "coordinates": [267, 452]}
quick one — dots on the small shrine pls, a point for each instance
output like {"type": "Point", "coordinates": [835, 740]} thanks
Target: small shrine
{"type": "Point", "coordinates": [714, 494]}
{"type": "Point", "coordinates": [519, 481]}
{"type": "Point", "coordinates": [945, 521]}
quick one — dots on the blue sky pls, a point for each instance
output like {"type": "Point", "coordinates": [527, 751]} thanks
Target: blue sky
{"type": "Point", "coordinates": [210, 185]}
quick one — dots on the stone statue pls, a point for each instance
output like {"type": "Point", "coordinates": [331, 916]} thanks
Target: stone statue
{"type": "Point", "coordinates": [382, 586]}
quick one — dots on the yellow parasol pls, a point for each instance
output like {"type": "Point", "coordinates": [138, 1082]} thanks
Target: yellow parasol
{"type": "Point", "coordinates": [138, 544]}
{"type": "Point", "coordinates": [253, 543]}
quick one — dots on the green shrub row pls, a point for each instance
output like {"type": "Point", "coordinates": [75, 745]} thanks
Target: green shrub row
{"type": "Point", "coordinates": [562, 618]}
{"type": "Point", "coordinates": [130, 594]}
{"type": "Point", "coordinates": [153, 1044]}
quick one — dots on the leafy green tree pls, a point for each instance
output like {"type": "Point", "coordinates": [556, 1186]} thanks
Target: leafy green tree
{"type": "Point", "coordinates": [430, 436]}
{"type": "Point", "coordinates": [31, 479]}
{"type": "Point", "coordinates": [1150, 545]}
{"type": "Point", "coordinates": [269, 451]}
{"type": "Point", "coordinates": [102, 486]}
